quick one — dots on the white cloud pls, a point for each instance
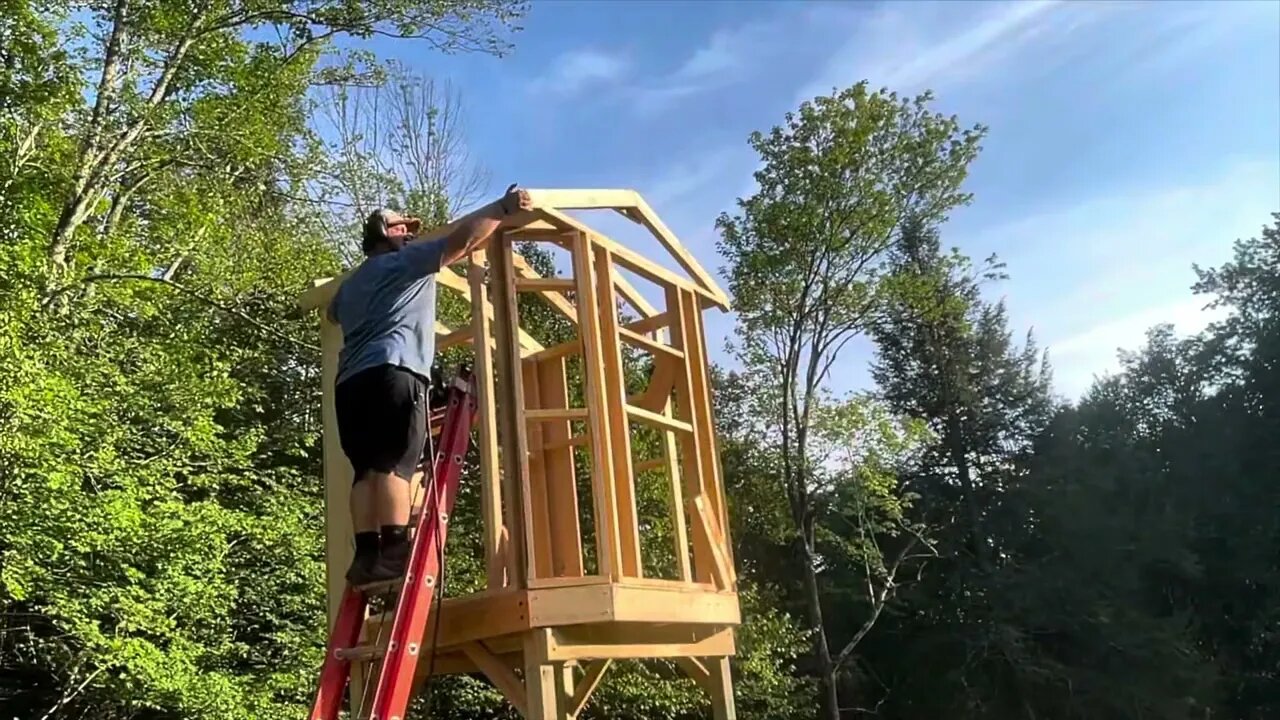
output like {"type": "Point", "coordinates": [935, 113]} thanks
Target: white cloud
{"type": "Point", "coordinates": [908, 46]}
{"type": "Point", "coordinates": [577, 70]}
{"type": "Point", "coordinates": [1081, 358]}
{"type": "Point", "coordinates": [727, 55]}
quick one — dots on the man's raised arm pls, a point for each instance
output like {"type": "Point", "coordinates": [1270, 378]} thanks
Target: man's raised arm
{"type": "Point", "coordinates": [481, 224]}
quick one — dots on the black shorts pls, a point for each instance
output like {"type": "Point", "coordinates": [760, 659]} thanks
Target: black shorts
{"type": "Point", "coordinates": [382, 420]}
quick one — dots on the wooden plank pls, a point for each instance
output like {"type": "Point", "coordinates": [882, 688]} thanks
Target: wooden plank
{"type": "Point", "coordinates": [631, 260]}
{"type": "Point", "coordinates": [499, 674]}
{"type": "Point", "coordinates": [697, 671]}
{"type": "Point", "coordinates": [540, 515]}
{"type": "Point", "coordinates": [677, 605]}
{"type": "Point", "coordinates": [462, 286]}
{"type": "Point", "coordinates": [457, 337]}
{"type": "Point", "coordinates": [541, 415]}
{"type": "Point", "coordinates": [575, 642]}
{"type": "Point", "coordinates": [712, 478]}
{"type": "Point", "coordinates": [338, 548]}
{"type": "Point", "coordinates": [722, 705]}
{"type": "Point", "coordinates": [646, 343]}
{"type": "Point", "coordinates": [541, 284]}
{"type": "Point", "coordinates": [541, 680]}
{"type": "Point", "coordinates": [632, 205]}
{"type": "Point", "coordinates": [570, 605]}
{"type": "Point", "coordinates": [512, 438]}
{"type": "Point", "coordinates": [556, 582]}
{"type": "Point", "coordinates": [657, 393]}
{"type": "Point", "coordinates": [617, 415]}
{"type": "Point", "coordinates": [570, 347]}
{"type": "Point", "coordinates": [587, 685]}
{"type": "Point", "coordinates": [557, 300]}
{"type": "Point", "coordinates": [480, 616]}
{"type": "Point", "coordinates": [658, 420]}
{"type": "Point", "coordinates": [682, 255]}
{"type": "Point", "coordinates": [490, 484]}
{"type": "Point", "coordinates": [564, 691]}
{"type": "Point", "coordinates": [690, 449]}
{"type": "Point", "coordinates": [562, 485]}
{"type": "Point", "coordinates": [675, 498]}
{"type": "Point", "coordinates": [650, 324]}
{"type": "Point", "coordinates": [608, 551]}
{"type": "Point", "coordinates": [583, 199]}
{"type": "Point", "coordinates": [705, 524]}
{"type": "Point", "coordinates": [650, 464]}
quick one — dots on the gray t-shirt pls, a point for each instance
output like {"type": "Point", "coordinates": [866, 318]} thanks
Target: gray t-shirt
{"type": "Point", "coordinates": [387, 310]}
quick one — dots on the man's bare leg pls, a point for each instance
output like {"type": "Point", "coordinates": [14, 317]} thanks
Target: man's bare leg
{"type": "Point", "coordinates": [390, 499]}
{"type": "Point", "coordinates": [365, 528]}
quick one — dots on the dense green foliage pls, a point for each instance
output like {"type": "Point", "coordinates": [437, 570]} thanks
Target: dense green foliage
{"type": "Point", "coordinates": [954, 542]}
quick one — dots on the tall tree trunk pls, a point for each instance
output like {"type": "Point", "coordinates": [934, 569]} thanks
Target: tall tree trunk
{"type": "Point", "coordinates": [964, 475]}
{"type": "Point", "coordinates": [828, 691]}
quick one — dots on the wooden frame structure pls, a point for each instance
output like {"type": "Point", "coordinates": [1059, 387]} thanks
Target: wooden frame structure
{"type": "Point", "coordinates": [559, 606]}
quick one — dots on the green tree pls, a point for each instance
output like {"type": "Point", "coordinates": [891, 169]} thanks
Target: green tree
{"type": "Point", "coordinates": [160, 548]}
{"type": "Point", "coordinates": [177, 75]}
{"type": "Point", "coordinates": [946, 355]}
{"type": "Point", "coordinates": [804, 262]}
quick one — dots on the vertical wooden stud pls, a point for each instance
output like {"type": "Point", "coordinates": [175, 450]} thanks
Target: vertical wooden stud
{"type": "Point", "coordinates": [691, 449]}
{"type": "Point", "coordinates": [512, 438]}
{"type": "Point", "coordinates": [602, 487]}
{"type": "Point", "coordinates": [490, 486]}
{"type": "Point", "coordinates": [714, 480]}
{"type": "Point", "coordinates": [541, 679]}
{"type": "Point", "coordinates": [538, 479]}
{"type": "Point", "coordinates": [722, 705]}
{"type": "Point", "coordinates": [619, 424]}
{"type": "Point", "coordinates": [562, 484]}
{"type": "Point", "coordinates": [679, 534]}
{"type": "Point", "coordinates": [564, 692]}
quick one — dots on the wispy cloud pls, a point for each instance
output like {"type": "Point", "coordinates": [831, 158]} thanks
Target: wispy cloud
{"type": "Point", "coordinates": [909, 46]}
{"type": "Point", "coordinates": [728, 55]}
{"type": "Point", "coordinates": [1080, 359]}
{"type": "Point", "coordinates": [578, 70]}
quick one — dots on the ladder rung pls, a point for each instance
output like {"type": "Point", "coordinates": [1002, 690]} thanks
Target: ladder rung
{"type": "Point", "coordinates": [362, 653]}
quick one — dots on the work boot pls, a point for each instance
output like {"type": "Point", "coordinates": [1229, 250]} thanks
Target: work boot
{"type": "Point", "coordinates": [393, 559]}
{"type": "Point", "coordinates": [360, 572]}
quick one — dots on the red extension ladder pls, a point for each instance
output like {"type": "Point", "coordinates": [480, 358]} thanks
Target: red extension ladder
{"type": "Point", "coordinates": [392, 664]}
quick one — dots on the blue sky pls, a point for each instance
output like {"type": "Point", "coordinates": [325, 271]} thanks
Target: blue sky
{"type": "Point", "coordinates": [1126, 141]}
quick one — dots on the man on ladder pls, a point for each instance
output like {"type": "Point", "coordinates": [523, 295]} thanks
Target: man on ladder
{"type": "Point", "coordinates": [387, 311]}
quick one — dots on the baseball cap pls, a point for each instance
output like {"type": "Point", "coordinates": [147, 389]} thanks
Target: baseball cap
{"type": "Point", "coordinates": [375, 226]}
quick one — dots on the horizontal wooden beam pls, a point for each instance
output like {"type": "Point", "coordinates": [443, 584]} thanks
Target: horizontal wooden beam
{"type": "Point", "coordinates": [549, 414]}
{"type": "Point", "coordinates": [572, 199]}
{"type": "Point", "coordinates": [541, 284]}
{"type": "Point", "coordinates": [573, 346]}
{"type": "Point", "coordinates": [662, 421]}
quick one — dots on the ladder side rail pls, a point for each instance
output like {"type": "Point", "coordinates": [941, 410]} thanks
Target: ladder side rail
{"type": "Point", "coordinates": [395, 679]}
{"type": "Point", "coordinates": [336, 670]}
